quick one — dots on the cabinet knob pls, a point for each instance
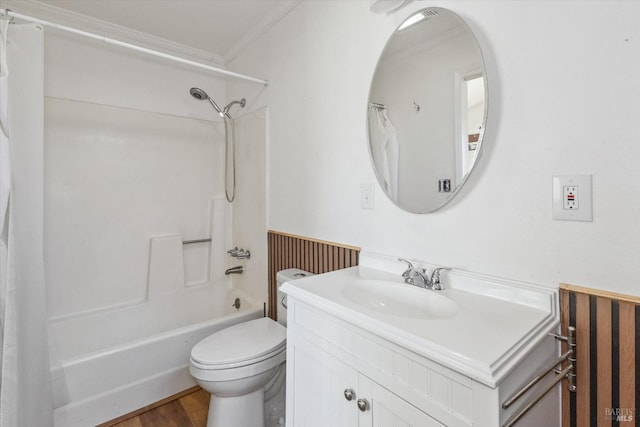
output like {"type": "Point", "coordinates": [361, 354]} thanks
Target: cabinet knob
{"type": "Point", "coordinates": [349, 394]}
{"type": "Point", "coordinates": [363, 405]}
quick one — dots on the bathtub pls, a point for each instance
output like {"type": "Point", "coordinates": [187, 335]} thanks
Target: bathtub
{"type": "Point", "coordinates": [110, 363]}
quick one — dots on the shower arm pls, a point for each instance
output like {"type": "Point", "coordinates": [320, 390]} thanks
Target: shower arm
{"type": "Point", "coordinates": [242, 103]}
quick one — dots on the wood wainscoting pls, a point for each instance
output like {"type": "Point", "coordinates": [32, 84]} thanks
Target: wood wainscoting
{"type": "Point", "coordinates": [608, 358]}
{"type": "Point", "coordinates": [315, 256]}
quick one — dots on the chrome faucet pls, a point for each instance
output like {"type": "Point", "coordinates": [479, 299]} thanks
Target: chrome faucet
{"type": "Point", "coordinates": [419, 276]}
{"type": "Point", "coordinates": [435, 278]}
{"type": "Point", "coordinates": [239, 253]}
{"type": "Point", "coordinates": [234, 270]}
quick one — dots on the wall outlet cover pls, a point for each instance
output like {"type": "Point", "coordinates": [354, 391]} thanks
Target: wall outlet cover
{"type": "Point", "coordinates": [572, 199]}
{"type": "Point", "coordinates": [366, 196]}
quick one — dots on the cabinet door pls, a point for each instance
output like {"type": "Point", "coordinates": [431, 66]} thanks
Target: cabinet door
{"type": "Point", "coordinates": [386, 409]}
{"type": "Point", "coordinates": [316, 389]}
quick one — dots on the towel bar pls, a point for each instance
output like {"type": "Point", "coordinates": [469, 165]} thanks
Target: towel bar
{"type": "Point", "coordinates": [569, 372]}
{"type": "Point", "coordinates": [540, 375]}
{"type": "Point", "coordinates": [561, 375]}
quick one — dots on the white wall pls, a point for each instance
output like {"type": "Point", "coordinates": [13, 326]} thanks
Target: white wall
{"type": "Point", "coordinates": [563, 97]}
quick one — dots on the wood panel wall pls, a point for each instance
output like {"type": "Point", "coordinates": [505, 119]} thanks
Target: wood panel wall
{"type": "Point", "coordinates": [317, 256]}
{"type": "Point", "coordinates": [608, 358]}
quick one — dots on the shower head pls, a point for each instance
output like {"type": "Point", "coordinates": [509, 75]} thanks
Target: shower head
{"type": "Point", "coordinates": [199, 94]}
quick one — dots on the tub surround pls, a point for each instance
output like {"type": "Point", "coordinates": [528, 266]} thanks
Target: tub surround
{"type": "Point", "coordinates": [121, 286]}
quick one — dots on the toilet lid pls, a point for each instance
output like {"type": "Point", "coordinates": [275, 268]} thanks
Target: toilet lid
{"type": "Point", "coordinates": [243, 342]}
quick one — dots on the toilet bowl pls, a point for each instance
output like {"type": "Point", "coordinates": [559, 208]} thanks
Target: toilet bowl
{"type": "Point", "coordinates": [243, 367]}
{"type": "Point", "coordinates": [234, 365]}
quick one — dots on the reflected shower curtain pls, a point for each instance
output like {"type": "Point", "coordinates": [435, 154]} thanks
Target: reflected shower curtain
{"type": "Point", "coordinates": [25, 382]}
{"type": "Point", "coordinates": [384, 150]}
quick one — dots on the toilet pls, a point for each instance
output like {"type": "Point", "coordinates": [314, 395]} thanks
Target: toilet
{"type": "Point", "coordinates": [243, 367]}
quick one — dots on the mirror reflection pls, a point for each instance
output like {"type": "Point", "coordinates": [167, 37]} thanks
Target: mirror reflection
{"type": "Point", "coordinates": [427, 110]}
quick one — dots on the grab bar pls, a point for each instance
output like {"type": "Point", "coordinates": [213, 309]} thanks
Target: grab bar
{"type": "Point", "coordinates": [188, 242]}
{"type": "Point", "coordinates": [568, 372]}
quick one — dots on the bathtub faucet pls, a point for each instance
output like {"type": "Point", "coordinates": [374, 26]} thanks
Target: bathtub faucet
{"type": "Point", "coordinates": [234, 270]}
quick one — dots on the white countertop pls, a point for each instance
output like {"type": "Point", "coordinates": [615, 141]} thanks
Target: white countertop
{"type": "Point", "coordinates": [496, 324]}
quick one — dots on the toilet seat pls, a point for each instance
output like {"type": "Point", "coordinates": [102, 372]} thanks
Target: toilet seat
{"type": "Point", "coordinates": [240, 364]}
{"type": "Point", "coordinates": [213, 373]}
{"type": "Point", "coordinates": [240, 345]}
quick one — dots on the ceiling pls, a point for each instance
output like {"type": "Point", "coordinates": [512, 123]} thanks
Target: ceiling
{"type": "Point", "coordinates": [219, 29]}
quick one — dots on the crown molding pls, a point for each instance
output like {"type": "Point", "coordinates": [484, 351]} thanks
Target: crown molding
{"type": "Point", "coordinates": [57, 15]}
{"type": "Point", "coordinates": [281, 10]}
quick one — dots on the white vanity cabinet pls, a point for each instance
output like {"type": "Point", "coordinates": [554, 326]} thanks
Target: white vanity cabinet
{"type": "Point", "coordinates": [325, 391]}
{"type": "Point", "coordinates": [327, 359]}
{"type": "Point", "coordinates": [341, 375]}
{"type": "Point", "coordinates": [317, 380]}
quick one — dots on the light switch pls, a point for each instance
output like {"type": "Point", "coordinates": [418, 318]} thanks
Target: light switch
{"type": "Point", "coordinates": [572, 198]}
{"type": "Point", "coordinates": [366, 196]}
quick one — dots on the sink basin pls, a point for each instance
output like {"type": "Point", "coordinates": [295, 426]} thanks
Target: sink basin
{"type": "Point", "coordinates": [394, 299]}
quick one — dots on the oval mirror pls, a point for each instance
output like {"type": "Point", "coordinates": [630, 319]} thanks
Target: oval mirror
{"type": "Point", "coordinates": [427, 110]}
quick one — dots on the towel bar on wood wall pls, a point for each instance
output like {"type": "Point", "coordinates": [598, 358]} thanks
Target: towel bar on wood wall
{"type": "Point", "coordinates": [568, 372]}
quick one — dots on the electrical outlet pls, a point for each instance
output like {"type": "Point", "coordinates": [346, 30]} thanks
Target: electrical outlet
{"type": "Point", "coordinates": [572, 198]}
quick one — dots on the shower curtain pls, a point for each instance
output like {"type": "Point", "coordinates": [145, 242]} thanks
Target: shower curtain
{"type": "Point", "coordinates": [5, 165]}
{"type": "Point", "coordinates": [25, 387]}
{"type": "Point", "coordinates": [384, 150]}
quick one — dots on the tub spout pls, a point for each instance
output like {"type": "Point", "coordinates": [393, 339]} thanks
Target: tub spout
{"type": "Point", "coordinates": [234, 270]}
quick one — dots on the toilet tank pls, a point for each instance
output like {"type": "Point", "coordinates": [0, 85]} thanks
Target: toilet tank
{"type": "Point", "coordinates": [286, 276]}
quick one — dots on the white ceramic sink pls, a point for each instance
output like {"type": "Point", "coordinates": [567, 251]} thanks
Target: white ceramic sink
{"type": "Point", "coordinates": [394, 299]}
{"type": "Point", "coordinates": [451, 327]}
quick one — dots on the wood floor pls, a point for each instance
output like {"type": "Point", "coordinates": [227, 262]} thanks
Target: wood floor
{"type": "Point", "coordinates": [189, 410]}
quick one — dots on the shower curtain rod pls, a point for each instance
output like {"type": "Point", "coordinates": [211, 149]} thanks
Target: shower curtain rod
{"type": "Point", "coordinates": [107, 40]}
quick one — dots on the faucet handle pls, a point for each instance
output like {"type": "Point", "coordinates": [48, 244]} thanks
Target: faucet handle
{"type": "Point", "coordinates": [242, 254]}
{"type": "Point", "coordinates": [407, 273]}
{"type": "Point", "coordinates": [435, 277]}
